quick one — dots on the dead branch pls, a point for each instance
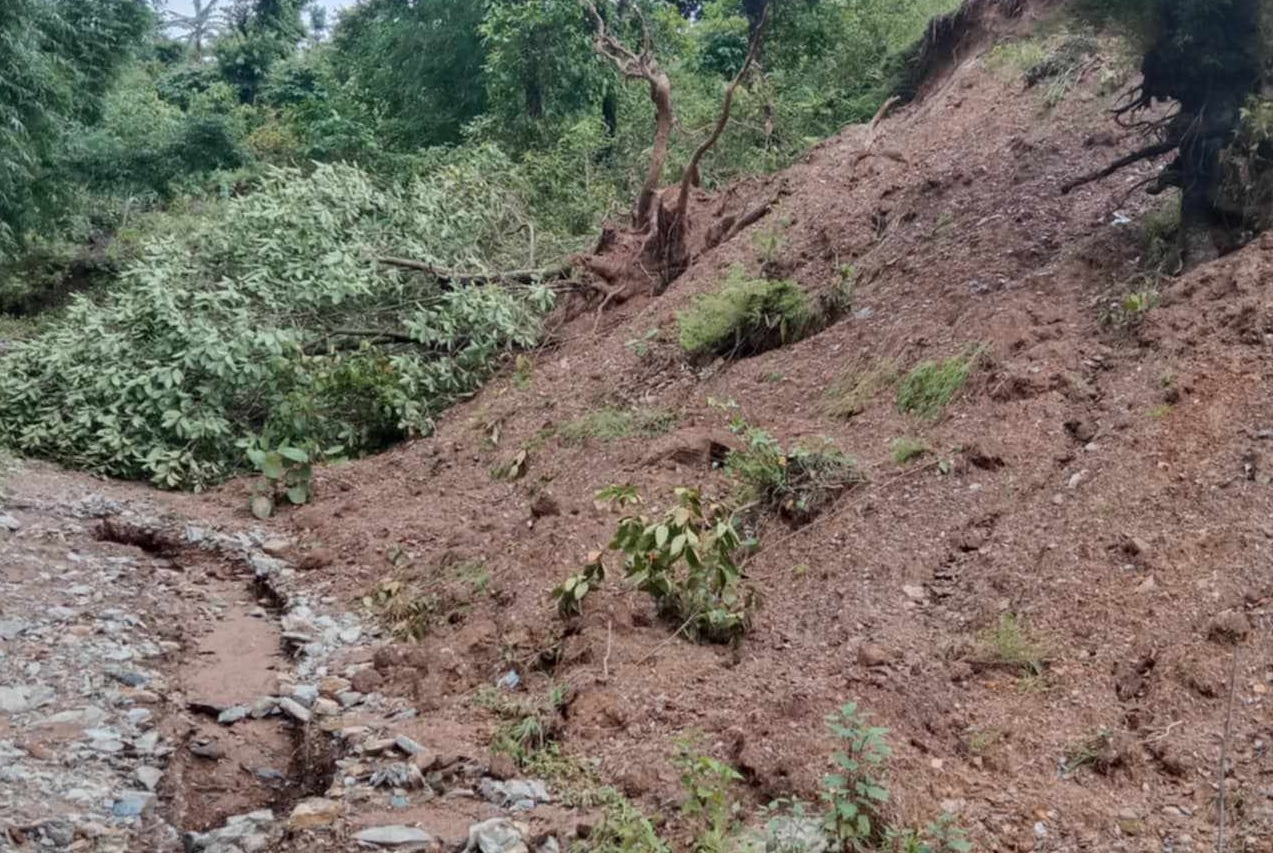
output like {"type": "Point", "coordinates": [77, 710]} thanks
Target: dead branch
{"type": "Point", "coordinates": [461, 279]}
{"type": "Point", "coordinates": [1146, 153]}
{"type": "Point", "coordinates": [730, 227]}
{"type": "Point", "coordinates": [691, 171]}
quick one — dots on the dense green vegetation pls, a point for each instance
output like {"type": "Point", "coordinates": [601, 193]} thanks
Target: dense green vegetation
{"type": "Point", "coordinates": [208, 195]}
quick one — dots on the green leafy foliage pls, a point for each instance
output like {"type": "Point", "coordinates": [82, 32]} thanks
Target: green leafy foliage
{"type": "Point", "coordinates": [796, 484]}
{"type": "Point", "coordinates": [905, 450]}
{"type": "Point", "coordinates": [706, 781]}
{"type": "Point", "coordinates": [931, 385]}
{"type": "Point", "coordinates": [684, 560]}
{"type": "Point", "coordinates": [857, 792]}
{"type": "Point", "coordinates": [745, 317]}
{"type": "Point", "coordinates": [263, 323]}
{"type": "Point", "coordinates": [57, 59]}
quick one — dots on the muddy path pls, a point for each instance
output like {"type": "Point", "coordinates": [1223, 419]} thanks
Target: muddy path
{"type": "Point", "coordinates": [169, 686]}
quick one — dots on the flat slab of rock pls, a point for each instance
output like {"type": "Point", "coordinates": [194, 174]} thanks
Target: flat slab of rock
{"type": "Point", "coordinates": [399, 837]}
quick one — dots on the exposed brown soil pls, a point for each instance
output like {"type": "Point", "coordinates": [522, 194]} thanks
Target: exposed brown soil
{"type": "Point", "coordinates": [1110, 488]}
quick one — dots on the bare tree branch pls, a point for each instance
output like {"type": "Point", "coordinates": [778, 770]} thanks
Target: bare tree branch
{"type": "Point", "coordinates": [459, 279]}
{"type": "Point", "coordinates": [691, 171]}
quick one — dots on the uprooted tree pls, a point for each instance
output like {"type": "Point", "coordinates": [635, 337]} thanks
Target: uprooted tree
{"type": "Point", "coordinates": [662, 217]}
{"type": "Point", "coordinates": [1207, 58]}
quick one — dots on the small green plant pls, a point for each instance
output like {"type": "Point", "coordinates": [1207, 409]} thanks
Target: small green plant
{"type": "Point", "coordinates": [857, 386]}
{"type": "Point", "coordinates": [611, 424]}
{"type": "Point", "coordinates": [513, 468]}
{"type": "Point", "coordinates": [906, 450]}
{"type": "Point", "coordinates": [1160, 411]}
{"type": "Point", "coordinates": [527, 725]}
{"type": "Point", "coordinates": [289, 473]}
{"type": "Point", "coordinates": [1127, 313]}
{"type": "Point", "coordinates": [642, 347]}
{"type": "Point", "coordinates": [940, 836]}
{"type": "Point", "coordinates": [1161, 229]}
{"type": "Point", "coordinates": [746, 317]}
{"type": "Point", "coordinates": [684, 560]}
{"type": "Point", "coordinates": [856, 794]}
{"type": "Point", "coordinates": [1009, 643]}
{"type": "Point", "coordinates": [706, 781]}
{"type": "Point", "coordinates": [1088, 752]}
{"type": "Point", "coordinates": [797, 483]}
{"type": "Point", "coordinates": [412, 608]}
{"type": "Point", "coordinates": [769, 242]}
{"type": "Point", "coordinates": [523, 367]}
{"type": "Point", "coordinates": [773, 377]}
{"type": "Point", "coordinates": [931, 385]}
{"type": "Point", "coordinates": [944, 223]}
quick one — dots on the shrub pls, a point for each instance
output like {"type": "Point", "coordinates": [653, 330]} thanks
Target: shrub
{"type": "Point", "coordinates": [270, 321]}
{"type": "Point", "coordinates": [796, 484]}
{"type": "Point", "coordinates": [745, 317]}
{"type": "Point", "coordinates": [683, 560]}
{"type": "Point", "coordinates": [931, 385]}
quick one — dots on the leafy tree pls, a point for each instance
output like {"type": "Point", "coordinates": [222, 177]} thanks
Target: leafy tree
{"type": "Point", "coordinates": [198, 28]}
{"type": "Point", "coordinates": [416, 63]}
{"type": "Point", "coordinates": [262, 34]}
{"type": "Point", "coordinates": [57, 58]}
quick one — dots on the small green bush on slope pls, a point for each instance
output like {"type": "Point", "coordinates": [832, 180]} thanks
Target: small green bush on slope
{"type": "Point", "coordinates": [272, 321]}
{"type": "Point", "coordinates": [745, 317]}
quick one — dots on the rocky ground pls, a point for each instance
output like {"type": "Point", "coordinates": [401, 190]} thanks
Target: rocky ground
{"type": "Point", "coordinates": [171, 687]}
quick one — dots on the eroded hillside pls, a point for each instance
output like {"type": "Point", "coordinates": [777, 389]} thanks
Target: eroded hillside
{"type": "Point", "coordinates": [1036, 590]}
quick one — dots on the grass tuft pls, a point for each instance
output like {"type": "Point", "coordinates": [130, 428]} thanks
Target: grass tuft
{"type": "Point", "coordinates": [612, 424]}
{"type": "Point", "coordinates": [931, 385]}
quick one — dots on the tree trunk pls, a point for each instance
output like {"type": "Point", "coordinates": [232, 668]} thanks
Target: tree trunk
{"type": "Point", "coordinates": [661, 95]}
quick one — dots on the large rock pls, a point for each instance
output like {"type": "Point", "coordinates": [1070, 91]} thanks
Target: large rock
{"type": "Point", "coordinates": [499, 835]}
{"type": "Point", "coordinates": [314, 813]}
{"type": "Point", "coordinates": [516, 794]}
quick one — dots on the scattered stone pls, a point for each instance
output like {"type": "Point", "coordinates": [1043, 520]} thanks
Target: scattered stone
{"type": "Point", "coordinates": [515, 794]}
{"type": "Point", "coordinates": [9, 523]}
{"type": "Point", "coordinates": [871, 655]}
{"type": "Point", "coordinates": [914, 593]}
{"type": "Point", "coordinates": [277, 547]}
{"type": "Point", "coordinates": [305, 694]}
{"type": "Point", "coordinates": [132, 803]}
{"type": "Point", "coordinates": [11, 629]}
{"type": "Point", "coordinates": [795, 833]}
{"type": "Point", "coordinates": [263, 707]}
{"type": "Point", "coordinates": [349, 698]}
{"type": "Point", "coordinates": [232, 715]}
{"type": "Point", "coordinates": [129, 679]}
{"type": "Point", "coordinates": [407, 745]}
{"type": "Point", "coordinates": [208, 749]}
{"type": "Point", "coordinates": [25, 697]}
{"type": "Point", "coordinates": [499, 835]}
{"type": "Point", "coordinates": [393, 836]}
{"type": "Point", "coordinates": [1081, 431]}
{"type": "Point", "coordinates": [326, 707]}
{"type": "Point", "coordinates": [332, 686]}
{"type": "Point", "coordinates": [294, 710]}
{"type": "Point", "coordinates": [317, 558]}
{"type": "Point", "coordinates": [349, 636]}
{"type": "Point", "coordinates": [314, 813]}
{"type": "Point", "coordinates": [366, 680]}
{"type": "Point", "coordinates": [148, 776]}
